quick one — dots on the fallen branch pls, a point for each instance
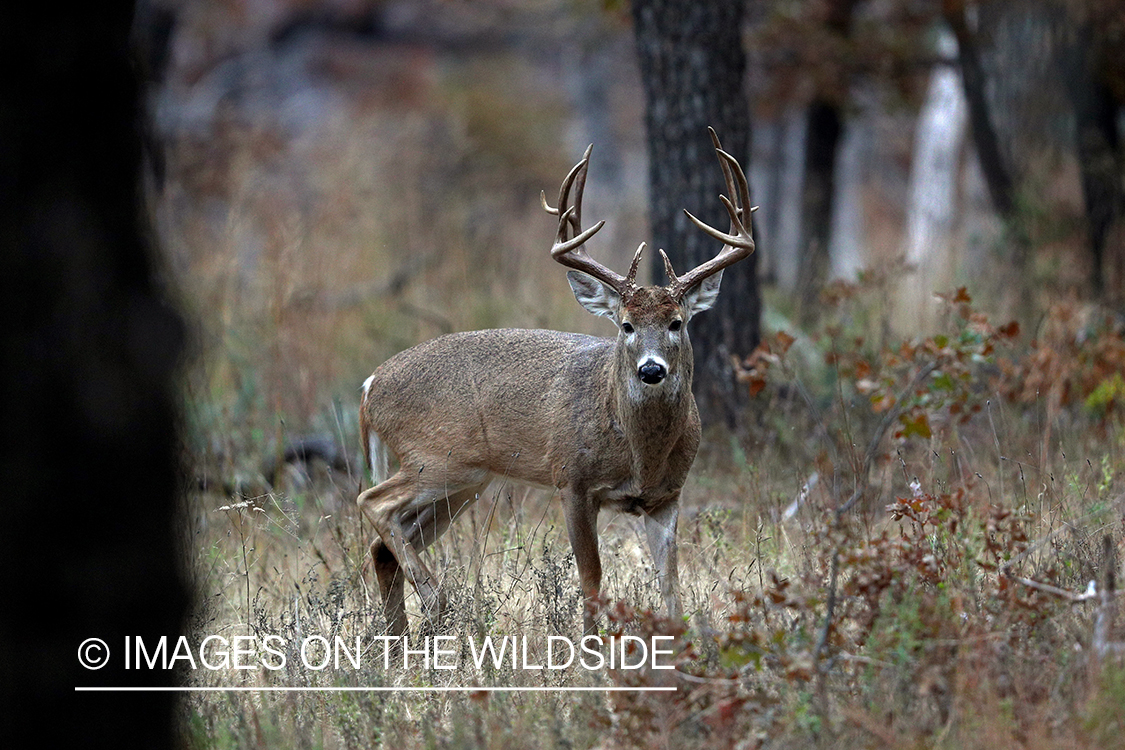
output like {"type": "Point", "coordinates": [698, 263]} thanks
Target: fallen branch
{"type": "Point", "coordinates": [1091, 591]}
{"type": "Point", "coordinates": [1106, 598]}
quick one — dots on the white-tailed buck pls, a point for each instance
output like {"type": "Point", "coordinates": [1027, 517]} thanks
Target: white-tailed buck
{"type": "Point", "coordinates": [608, 423]}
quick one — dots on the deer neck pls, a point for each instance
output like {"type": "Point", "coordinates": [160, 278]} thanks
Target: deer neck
{"type": "Point", "coordinates": [651, 418]}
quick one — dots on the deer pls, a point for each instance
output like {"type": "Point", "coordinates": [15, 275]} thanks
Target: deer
{"type": "Point", "coordinates": [604, 423]}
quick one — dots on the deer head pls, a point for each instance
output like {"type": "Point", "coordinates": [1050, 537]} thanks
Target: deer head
{"type": "Point", "coordinates": [653, 350]}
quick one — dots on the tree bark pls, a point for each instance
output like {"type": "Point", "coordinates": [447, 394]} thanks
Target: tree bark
{"type": "Point", "coordinates": [88, 389]}
{"type": "Point", "coordinates": [997, 175]}
{"type": "Point", "coordinates": [1098, 147]}
{"type": "Point", "coordinates": [692, 68]}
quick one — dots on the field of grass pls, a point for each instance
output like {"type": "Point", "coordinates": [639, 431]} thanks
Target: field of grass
{"type": "Point", "coordinates": [897, 554]}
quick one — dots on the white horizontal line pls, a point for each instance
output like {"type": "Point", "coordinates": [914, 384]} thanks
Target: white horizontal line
{"type": "Point", "coordinates": [456, 689]}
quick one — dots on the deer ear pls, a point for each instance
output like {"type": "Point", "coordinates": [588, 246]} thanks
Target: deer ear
{"type": "Point", "coordinates": [596, 297]}
{"type": "Point", "coordinates": [703, 295]}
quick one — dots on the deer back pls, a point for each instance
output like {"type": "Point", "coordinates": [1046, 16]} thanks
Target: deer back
{"type": "Point", "coordinates": [494, 400]}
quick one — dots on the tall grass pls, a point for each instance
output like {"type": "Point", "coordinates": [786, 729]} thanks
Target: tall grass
{"type": "Point", "coordinates": [925, 615]}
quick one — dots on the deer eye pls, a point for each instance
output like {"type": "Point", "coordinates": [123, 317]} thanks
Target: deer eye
{"type": "Point", "coordinates": [675, 325]}
{"type": "Point", "coordinates": [627, 327]}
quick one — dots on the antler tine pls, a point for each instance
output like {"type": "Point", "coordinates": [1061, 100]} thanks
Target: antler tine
{"type": "Point", "coordinates": [565, 248]}
{"type": "Point", "coordinates": [568, 249]}
{"type": "Point", "coordinates": [631, 277]}
{"type": "Point", "coordinates": [738, 243]}
{"type": "Point", "coordinates": [580, 187]}
{"type": "Point", "coordinates": [728, 178]}
{"type": "Point", "coordinates": [668, 267]}
{"type": "Point", "coordinates": [546, 206]}
{"type": "Point", "coordinates": [564, 189]}
{"type": "Point", "coordinates": [576, 178]}
{"type": "Point", "coordinates": [739, 236]}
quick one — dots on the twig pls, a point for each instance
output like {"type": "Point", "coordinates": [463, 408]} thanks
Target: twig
{"type": "Point", "coordinates": [877, 438]}
{"type": "Point", "coordinates": [1106, 597]}
{"type": "Point", "coordinates": [1091, 591]}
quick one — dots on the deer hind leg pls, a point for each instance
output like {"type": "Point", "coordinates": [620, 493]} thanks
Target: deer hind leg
{"type": "Point", "coordinates": [424, 527]}
{"type": "Point", "coordinates": [390, 576]}
{"type": "Point", "coordinates": [407, 517]}
{"type": "Point", "coordinates": [427, 528]}
{"type": "Point", "coordinates": [433, 519]}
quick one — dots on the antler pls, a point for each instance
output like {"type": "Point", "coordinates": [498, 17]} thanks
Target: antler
{"type": "Point", "coordinates": [568, 248]}
{"type": "Point", "coordinates": [737, 244]}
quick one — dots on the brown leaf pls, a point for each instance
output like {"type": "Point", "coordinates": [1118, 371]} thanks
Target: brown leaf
{"type": "Point", "coordinates": [784, 341]}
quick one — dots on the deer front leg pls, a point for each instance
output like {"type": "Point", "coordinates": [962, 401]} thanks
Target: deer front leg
{"type": "Point", "coordinates": [660, 527]}
{"type": "Point", "coordinates": [582, 528]}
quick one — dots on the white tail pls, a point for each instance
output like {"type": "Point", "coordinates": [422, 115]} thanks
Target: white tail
{"type": "Point", "coordinates": [606, 422]}
{"type": "Point", "coordinates": [374, 449]}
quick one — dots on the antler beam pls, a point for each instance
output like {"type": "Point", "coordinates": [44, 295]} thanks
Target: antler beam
{"type": "Point", "coordinates": [738, 243]}
{"type": "Point", "coordinates": [568, 249]}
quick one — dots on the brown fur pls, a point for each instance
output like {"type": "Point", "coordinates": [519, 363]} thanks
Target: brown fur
{"type": "Point", "coordinates": [541, 407]}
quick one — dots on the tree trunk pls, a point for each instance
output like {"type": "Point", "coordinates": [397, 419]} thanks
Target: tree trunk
{"type": "Point", "coordinates": [996, 165]}
{"type": "Point", "coordinates": [692, 68]}
{"type": "Point", "coordinates": [846, 257]}
{"type": "Point", "coordinates": [997, 175]}
{"type": "Point", "coordinates": [816, 206]}
{"type": "Point", "coordinates": [822, 141]}
{"type": "Point", "coordinates": [931, 201]}
{"type": "Point", "coordinates": [88, 390]}
{"type": "Point", "coordinates": [1098, 147]}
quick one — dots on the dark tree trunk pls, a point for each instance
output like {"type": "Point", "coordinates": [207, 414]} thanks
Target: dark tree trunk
{"type": "Point", "coordinates": [1098, 147]}
{"type": "Point", "coordinates": [822, 140]}
{"type": "Point", "coordinates": [692, 67]}
{"type": "Point", "coordinates": [997, 170]}
{"type": "Point", "coordinates": [818, 191]}
{"type": "Point", "coordinates": [997, 175]}
{"type": "Point", "coordinates": [89, 352]}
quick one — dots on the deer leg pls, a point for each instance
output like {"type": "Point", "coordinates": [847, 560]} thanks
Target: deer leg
{"type": "Point", "coordinates": [660, 528]}
{"type": "Point", "coordinates": [384, 506]}
{"type": "Point", "coordinates": [390, 576]}
{"type": "Point", "coordinates": [384, 557]}
{"type": "Point", "coordinates": [582, 528]}
{"type": "Point", "coordinates": [425, 526]}
{"type": "Point", "coordinates": [408, 518]}
{"type": "Point", "coordinates": [434, 519]}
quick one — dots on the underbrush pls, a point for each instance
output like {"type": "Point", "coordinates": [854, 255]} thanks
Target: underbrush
{"type": "Point", "coordinates": [915, 545]}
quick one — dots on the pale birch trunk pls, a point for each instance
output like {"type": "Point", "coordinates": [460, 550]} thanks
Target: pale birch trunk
{"type": "Point", "coordinates": [931, 199]}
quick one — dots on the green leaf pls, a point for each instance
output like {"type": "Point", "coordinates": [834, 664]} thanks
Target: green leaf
{"type": "Point", "coordinates": [917, 425]}
{"type": "Point", "coordinates": [942, 381]}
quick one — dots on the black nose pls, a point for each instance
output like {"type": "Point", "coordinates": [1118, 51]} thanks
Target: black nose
{"type": "Point", "coordinates": [652, 373]}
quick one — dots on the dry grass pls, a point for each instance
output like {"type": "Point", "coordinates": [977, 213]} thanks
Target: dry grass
{"type": "Point", "coordinates": [974, 662]}
{"type": "Point", "coordinates": [934, 625]}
